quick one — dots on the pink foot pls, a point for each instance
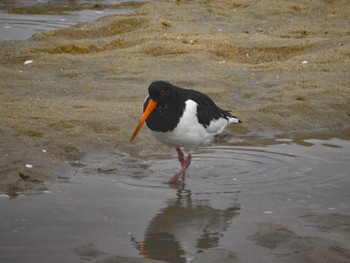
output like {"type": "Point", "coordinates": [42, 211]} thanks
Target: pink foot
{"type": "Point", "coordinates": [185, 164]}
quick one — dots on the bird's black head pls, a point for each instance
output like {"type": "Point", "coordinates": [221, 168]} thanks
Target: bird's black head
{"type": "Point", "coordinates": [161, 91]}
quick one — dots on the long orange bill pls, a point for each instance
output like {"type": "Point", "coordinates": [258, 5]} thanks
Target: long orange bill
{"type": "Point", "coordinates": [150, 107]}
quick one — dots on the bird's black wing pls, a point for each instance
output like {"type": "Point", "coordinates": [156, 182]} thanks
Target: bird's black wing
{"type": "Point", "coordinates": [207, 109]}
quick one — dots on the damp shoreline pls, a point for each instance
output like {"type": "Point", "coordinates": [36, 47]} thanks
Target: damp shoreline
{"type": "Point", "coordinates": [22, 19]}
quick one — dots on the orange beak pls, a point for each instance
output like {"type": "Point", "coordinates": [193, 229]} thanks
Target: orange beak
{"type": "Point", "coordinates": [150, 107]}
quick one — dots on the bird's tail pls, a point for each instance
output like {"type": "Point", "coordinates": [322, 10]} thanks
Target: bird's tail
{"type": "Point", "coordinates": [233, 120]}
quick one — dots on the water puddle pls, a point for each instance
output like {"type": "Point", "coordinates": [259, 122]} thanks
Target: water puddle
{"type": "Point", "coordinates": [19, 20]}
{"type": "Point", "coordinates": [286, 202]}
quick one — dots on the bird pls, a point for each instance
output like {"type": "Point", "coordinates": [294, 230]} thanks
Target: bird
{"type": "Point", "coordinates": [182, 118]}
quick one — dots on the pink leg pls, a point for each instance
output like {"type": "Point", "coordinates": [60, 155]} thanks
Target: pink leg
{"type": "Point", "coordinates": [176, 177]}
{"type": "Point", "coordinates": [180, 154]}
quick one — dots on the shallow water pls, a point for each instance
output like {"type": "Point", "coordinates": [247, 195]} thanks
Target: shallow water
{"type": "Point", "coordinates": [19, 20]}
{"type": "Point", "coordinates": [286, 203]}
{"type": "Point", "coordinates": [22, 26]}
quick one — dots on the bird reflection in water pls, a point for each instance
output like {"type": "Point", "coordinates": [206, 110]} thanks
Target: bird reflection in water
{"type": "Point", "coordinates": [185, 228]}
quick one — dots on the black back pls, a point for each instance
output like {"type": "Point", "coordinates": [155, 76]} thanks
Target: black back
{"type": "Point", "coordinates": [171, 105]}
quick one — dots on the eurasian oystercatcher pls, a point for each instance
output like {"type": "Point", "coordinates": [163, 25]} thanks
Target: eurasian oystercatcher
{"type": "Point", "coordinates": [182, 118]}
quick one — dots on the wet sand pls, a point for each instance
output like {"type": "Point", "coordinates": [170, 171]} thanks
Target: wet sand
{"type": "Point", "coordinates": [77, 92]}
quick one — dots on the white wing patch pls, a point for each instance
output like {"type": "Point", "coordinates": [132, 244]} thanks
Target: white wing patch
{"type": "Point", "coordinates": [217, 126]}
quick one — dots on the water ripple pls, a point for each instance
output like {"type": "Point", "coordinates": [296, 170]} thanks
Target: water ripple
{"type": "Point", "coordinates": [223, 169]}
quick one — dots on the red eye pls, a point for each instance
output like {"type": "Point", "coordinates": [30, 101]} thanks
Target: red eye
{"type": "Point", "coordinates": [162, 92]}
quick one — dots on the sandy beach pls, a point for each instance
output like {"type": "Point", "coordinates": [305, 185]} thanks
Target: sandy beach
{"type": "Point", "coordinates": [72, 93]}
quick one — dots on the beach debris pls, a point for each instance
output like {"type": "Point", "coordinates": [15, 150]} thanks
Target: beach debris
{"type": "Point", "coordinates": [28, 62]}
{"type": "Point", "coordinates": [25, 177]}
{"type": "Point", "coordinates": [267, 212]}
{"type": "Point", "coordinates": [166, 24]}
